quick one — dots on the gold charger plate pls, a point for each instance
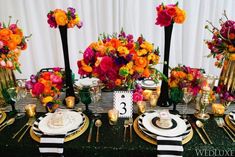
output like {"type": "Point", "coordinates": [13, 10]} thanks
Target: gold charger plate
{"type": "Point", "coordinates": [227, 120]}
{"type": "Point", "coordinates": [67, 138]}
{"type": "Point", "coordinates": [3, 117]}
{"type": "Point", "coordinates": [152, 141]}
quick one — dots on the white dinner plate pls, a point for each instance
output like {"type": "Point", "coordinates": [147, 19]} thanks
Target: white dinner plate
{"type": "Point", "coordinates": [87, 82]}
{"type": "Point", "coordinates": [72, 121]}
{"type": "Point", "coordinates": [148, 84]}
{"type": "Point", "coordinates": [179, 129]}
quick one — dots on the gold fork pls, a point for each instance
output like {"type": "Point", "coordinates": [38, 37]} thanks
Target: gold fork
{"type": "Point", "coordinates": [130, 124]}
{"type": "Point", "coordinates": [30, 123]}
{"type": "Point", "coordinates": [126, 124]}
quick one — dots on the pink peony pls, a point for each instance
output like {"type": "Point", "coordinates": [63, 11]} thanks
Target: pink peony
{"type": "Point", "coordinates": [89, 55]}
{"type": "Point", "coordinates": [38, 88]}
{"type": "Point", "coordinates": [55, 79]}
{"type": "Point", "coordinates": [163, 19]}
{"type": "Point", "coordinates": [106, 63]}
{"type": "Point", "coordinates": [137, 97]}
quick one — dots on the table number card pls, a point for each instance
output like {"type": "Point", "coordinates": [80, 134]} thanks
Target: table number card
{"type": "Point", "coordinates": [123, 103]}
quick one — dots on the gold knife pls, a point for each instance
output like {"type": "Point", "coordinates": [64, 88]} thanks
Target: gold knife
{"type": "Point", "coordinates": [198, 132]}
{"type": "Point", "coordinates": [90, 131]}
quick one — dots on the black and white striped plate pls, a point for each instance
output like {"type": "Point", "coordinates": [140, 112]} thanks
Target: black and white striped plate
{"type": "Point", "coordinates": [38, 132]}
{"type": "Point", "coordinates": [152, 135]}
{"type": "Point", "coordinates": [232, 117]}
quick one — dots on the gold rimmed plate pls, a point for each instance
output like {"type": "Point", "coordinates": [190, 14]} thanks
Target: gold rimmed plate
{"type": "Point", "coordinates": [3, 117]}
{"type": "Point", "coordinates": [154, 141]}
{"type": "Point", "coordinates": [70, 137]}
{"type": "Point", "coordinates": [229, 123]}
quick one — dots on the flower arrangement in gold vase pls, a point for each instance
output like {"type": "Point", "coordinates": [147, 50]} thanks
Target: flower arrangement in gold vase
{"type": "Point", "coordinates": [222, 47]}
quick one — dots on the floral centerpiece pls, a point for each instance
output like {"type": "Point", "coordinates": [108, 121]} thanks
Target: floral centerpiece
{"type": "Point", "coordinates": [59, 17]}
{"type": "Point", "coordinates": [12, 41]}
{"type": "Point", "coordinates": [118, 60]}
{"type": "Point", "coordinates": [184, 77]}
{"type": "Point", "coordinates": [222, 47]}
{"type": "Point", "coordinates": [46, 85]}
{"type": "Point", "coordinates": [169, 14]}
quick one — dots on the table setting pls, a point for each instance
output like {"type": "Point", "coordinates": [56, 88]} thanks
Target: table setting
{"type": "Point", "coordinates": [142, 114]}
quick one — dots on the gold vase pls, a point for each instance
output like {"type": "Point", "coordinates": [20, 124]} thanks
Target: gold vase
{"type": "Point", "coordinates": [7, 80]}
{"type": "Point", "coordinates": [227, 76]}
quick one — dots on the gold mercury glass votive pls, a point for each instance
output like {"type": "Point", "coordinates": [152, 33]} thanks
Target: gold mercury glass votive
{"type": "Point", "coordinates": [218, 109]}
{"type": "Point", "coordinates": [70, 101]}
{"type": "Point", "coordinates": [141, 107]}
{"type": "Point", "coordinates": [113, 116]}
{"type": "Point", "coordinates": [30, 110]}
{"type": "Point", "coordinates": [153, 99]}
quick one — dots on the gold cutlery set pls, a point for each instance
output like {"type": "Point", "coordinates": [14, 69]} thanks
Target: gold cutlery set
{"type": "Point", "coordinates": [199, 124]}
{"type": "Point", "coordinates": [98, 124]}
{"type": "Point", "coordinates": [128, 123]}
{"type": "Point", "coordinates": [220, 122]}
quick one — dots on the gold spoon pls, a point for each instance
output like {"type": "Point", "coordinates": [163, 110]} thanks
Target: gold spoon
{"type": "Point", "coordinates": [9, 122]}
{"type": "Point", "coordinates": [201, 125]}
{"type": "Point", "coordinates": [98, 124]}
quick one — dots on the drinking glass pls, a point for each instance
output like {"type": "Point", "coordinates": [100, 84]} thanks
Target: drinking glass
{"type": "Point", "coordinates": [187, 97]}
{"type": "Point", "coordinates": [22, 91]}
{"type": "Point", "coordinates": [96, 97]}
{"type": "Point", "coordinates": [85, 97]}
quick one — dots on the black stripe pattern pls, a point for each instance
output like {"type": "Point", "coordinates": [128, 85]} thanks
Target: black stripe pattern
{"type": "Point", "coordinates": [232, 117]}
{"type": "Point", "coordinates": [52, 145]}
{"type": "Point", "coordinates": [167, 146]}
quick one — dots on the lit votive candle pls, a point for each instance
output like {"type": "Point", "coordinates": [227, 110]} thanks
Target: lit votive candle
{"type": "Point", "coordinates": [218, 109]}
{"type": "Point", "coordinates": [113, 116]}
{"type": "Point", "coordinates": [30, 110]}
{"type": "Point", "coordinates": [141, 105]}
{"type": "Point", "coordinates": [70, 101]}
{"type": "Point", "coordinates": [153, 99]}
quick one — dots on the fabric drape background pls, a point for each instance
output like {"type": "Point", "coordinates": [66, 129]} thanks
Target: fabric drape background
{"type": "Point", "coordinates": [134, 16]}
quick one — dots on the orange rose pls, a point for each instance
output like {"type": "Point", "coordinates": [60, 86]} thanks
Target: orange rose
{"type": "Point", "coordinates": [118, 82]}
{"type": "Point", "coordinates": [61, 17]}
{"type": "Point", "coordinates": [5, 34]}
{"type": "Point", "coordinates": [115, 43]}
{"type": "Point", "coordinates": [141, 62]}
{"type": "Point", "coordinates": [11, 45]}
{"type": "Point", "coordinates": [16, 38]}
{"type": "Point", "coordinates": [180, 16]}
{"type": "Point", "coordinates": [138, 69]}
{"type": "Point", "coordinates": [146, 73]}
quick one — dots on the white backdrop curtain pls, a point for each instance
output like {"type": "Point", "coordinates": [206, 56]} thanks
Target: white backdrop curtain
{"type": "Point", "coordinates": [135, 16]}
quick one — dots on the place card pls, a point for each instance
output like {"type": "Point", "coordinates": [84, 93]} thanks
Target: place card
{"type": "Point", "coordinates": [123, 103]}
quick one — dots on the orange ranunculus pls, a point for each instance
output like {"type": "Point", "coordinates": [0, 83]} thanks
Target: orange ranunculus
{"type": "Point", "coordinates": [148, 46]}
{"type": "Point", "coordinates": [5, 34]}
{"type": "Point", "coordinates": [16, 38]}
{"type": "Point", "coordinates": [118, 82]}
{"type": "Point", "coordinates": [11, 45]}
{"type": "Point", "coordinates": [146, 73]}
{"type": "Point", "coordinates": [138, 69]}
{"type": "Point", "coordinates": [180, 16]}
{"type": "Point", "coordinates": [60, 17]}
{"type": "Point", "coordinates": [141, 62]}
{"type": "Point", "coordinates": [115, 43]}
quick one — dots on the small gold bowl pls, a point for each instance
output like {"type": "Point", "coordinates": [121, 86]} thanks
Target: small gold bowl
{"type": "Point", "coordinates": [30, 110]}
{"type": "Point", "coordinates": [70, 101]}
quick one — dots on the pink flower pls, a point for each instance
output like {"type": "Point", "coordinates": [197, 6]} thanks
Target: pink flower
{"type": "Point", "coordinates": [137, 97]}
{"type": "Point", "coordinates": [9, 64]}
{"type": "Point", "coordinates": [89, 55]}
{"type": "Point", "coordinates": [1, 44]}
{"type": "Point", "coordinates": [106, 63]}
{"type": "Point", "coordinates": [56, 69]}
{"type": "Point", "coordinates": [3, 63]}
{"type": "Point", "coordinates": [38, 88]}
{"type": "Point", "coordinates": [13, 27]}
{"type": "Point", "coordinates": [55, 79]}
{"type": "Point", "coordinates": [163, 19]}
{"type": "Point", "coordinates": [28, 85]}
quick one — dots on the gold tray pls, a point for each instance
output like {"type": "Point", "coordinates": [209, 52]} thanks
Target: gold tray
{"type": "Point", "coordinates": [67, 138]}
{"type": "Point", "coordinates": [4, 115]}
{"type": "Point", "coordinates": [227, 120]}
{"type": "Point", "coordinates": [152, 141]}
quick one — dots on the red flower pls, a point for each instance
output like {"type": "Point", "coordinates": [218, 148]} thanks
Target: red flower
{"type": "Point", "coordinates": [163, 19]}
{"type": "Point", "coordinates": [38, 88]}
{"type": "Point", "coordinates": [171, 11]}
{"type": "Point", "coordinates": [106, 63]}
{"type": "Point", "coordinates": [46, 75]}
{"type": "Point", "coordinates": [88, 55]}
{"type": "Point", "coordinates": [137, 97]}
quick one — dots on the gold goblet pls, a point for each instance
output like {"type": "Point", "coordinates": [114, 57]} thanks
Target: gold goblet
{"type": "Point", "coordinates": [30, 110]}
{"type": "Point", "coordinates": [113, 116]}
{"type": "Point", "coordinates": [70, 101]}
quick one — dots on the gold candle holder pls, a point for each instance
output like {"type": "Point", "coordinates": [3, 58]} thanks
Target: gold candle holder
{"type": "Point", "coordinates": [70, 101]}
{"type": "Point", "coordinates": [218, 109]}
{"type": "Point", "coordinates": [153, 99]}
{"type": "Point", "coordinates": [141, 107]}
{"type": "Point", "coordinates": [113, 116]}
{"type": "Point", "coordinates": [30, 110]}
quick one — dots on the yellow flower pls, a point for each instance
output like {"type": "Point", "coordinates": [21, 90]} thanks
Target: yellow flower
{"type": "Point", "coordinates": [123, 50]}
{"type": "Point", "coordinates": [154, 58]}
{"type": "Point", "coordinates": [148, 46]}
{"type": "Point", "coordinates": [16, 38]}
{"type": "Point", "coordinates": [142, 52]}
{"type": "Point", "coordinates": [60, 17]}
{"type": "Point", "coordinates": [190, 77]}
